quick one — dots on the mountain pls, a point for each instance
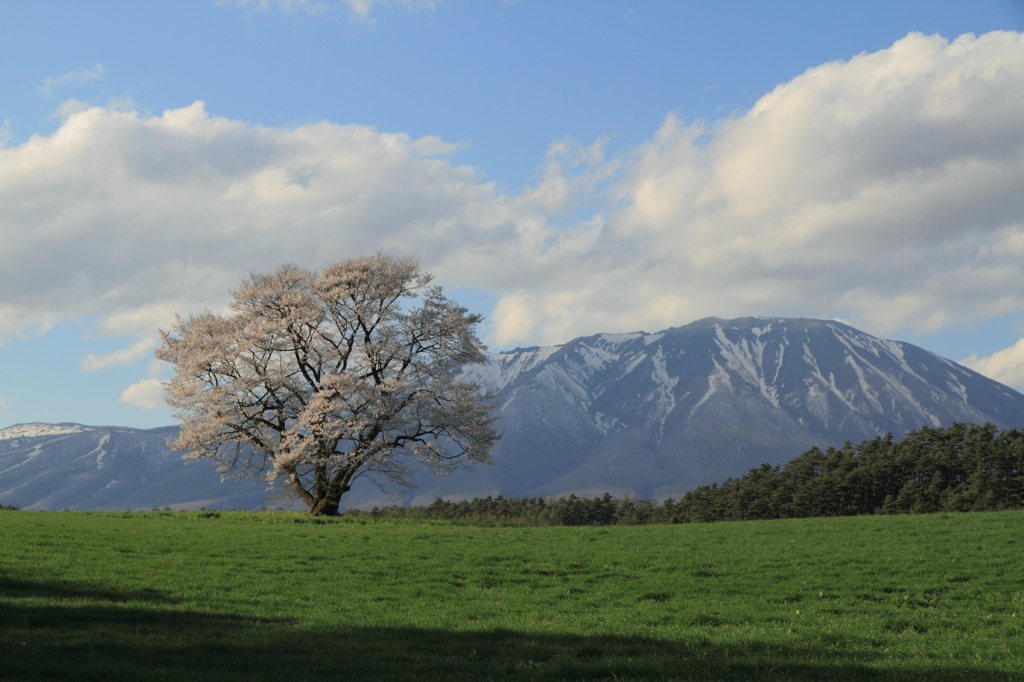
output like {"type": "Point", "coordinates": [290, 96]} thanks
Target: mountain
{"type": "Point", "coordinates": [70, 466]}
{"type": "Point", "coordinates": [654, 415]}
{"type": "Point", "coordinates": [646, 415]}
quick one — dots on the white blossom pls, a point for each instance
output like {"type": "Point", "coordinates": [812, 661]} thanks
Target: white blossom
{"type": "Point", "coordinates": [318, 377]}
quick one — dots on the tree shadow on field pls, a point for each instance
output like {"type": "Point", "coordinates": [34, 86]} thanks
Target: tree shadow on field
{"type": "Point", "coordinates": [64, 591]}
{"type": "Point", "coordinates": [86, 634]}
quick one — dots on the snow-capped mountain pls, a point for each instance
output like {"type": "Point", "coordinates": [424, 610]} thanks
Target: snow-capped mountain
{"type": "Point", "coordinates": [70, 466]}
{"type": "Point", "coordinates": [654, 415]}
{"type": "Point", "coordinates": [647, 415]}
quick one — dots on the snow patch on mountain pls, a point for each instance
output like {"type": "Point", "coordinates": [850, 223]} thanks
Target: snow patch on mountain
{"type": "Point", "coordinates": [501, 369]}
{"type": "Point", "coordinates": [896, 351]}
{"type": "Point", "coordinates": [617, 339]}
{"type": "Point", "coordinates": [910, 400]}
{"type": "Point", "coordinates": [747, 360]}
{"type": "Point", "coordinates": [856, 340]}
{"type": "Point", "coordinates": [717, 381]}
{"type": "Point", "coordinates": [956, 387]}
{"type": "Point", "coordinates": [893, 349]}
{"type": "Point", "coordinates": [817, 404]}
{"type": "Point", "coordinates": [597, 358]}
{"type": "Point", "coordinates": [28, 458]}
{"type": "Point", "coordinates": [99, 451]}
{"type": "Point", "coordinates": [21, 485]}
{"type": "Point", "coordinates": [820, 408]}
{"type": "Point", "coordinates": [632, 364]}
{"type": "Point", "coordinates": [780, 356]}
{"type": "Point", "coordinates": [605, 424]}
{"type": "Point", "coordinates": [565, 383]}
{"type": "Point", "coordinates": [865, 387]}
{"type": "Point", "coordinates": [662, 397]}
{"type": "Point", "coordinates": [38, 430]}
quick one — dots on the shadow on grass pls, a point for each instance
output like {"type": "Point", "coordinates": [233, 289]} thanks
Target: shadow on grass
{"type": "Point", "coordinates": [33, 589]}
{"type": "Point", "coordinates": [100, 635]}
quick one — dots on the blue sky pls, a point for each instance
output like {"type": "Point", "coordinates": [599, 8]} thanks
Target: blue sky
{"type": "Point", "coordinates": [565, 168]}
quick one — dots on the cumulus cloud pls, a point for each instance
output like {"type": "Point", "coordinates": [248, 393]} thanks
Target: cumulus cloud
{"type": "Point", "coordinates": [76, 77]}
{"type": "Point", "coordinates": [133, 219]}
{"type": "Point", "coordinates": [148, 394]}
{"type": "Point", "coordinates": [122, 356]}
{"type": "Point", "coordinates": [68, 107]}
{"type": "Point", "coordinates": [884, 190]}
{"type": "Point", "coordinates": [1005, 366]}
{"type": "Point", "coordinates": [3, 404]}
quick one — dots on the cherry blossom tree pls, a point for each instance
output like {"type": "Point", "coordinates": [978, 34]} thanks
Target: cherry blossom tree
{"type": "Point", "coordinates": [318, 377]}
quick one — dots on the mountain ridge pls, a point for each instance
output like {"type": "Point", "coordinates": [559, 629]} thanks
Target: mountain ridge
{"type": "Point", "coordinates": [770, 387]}
{"type": "Point", "coordinates": [646, 414]}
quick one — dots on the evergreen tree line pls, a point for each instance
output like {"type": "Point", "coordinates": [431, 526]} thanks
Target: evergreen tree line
{"type": "Point", "coordinates": [963, 467]}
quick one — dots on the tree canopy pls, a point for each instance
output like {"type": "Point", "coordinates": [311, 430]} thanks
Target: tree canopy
{"type": "Point", "coordinates": [317, 377]}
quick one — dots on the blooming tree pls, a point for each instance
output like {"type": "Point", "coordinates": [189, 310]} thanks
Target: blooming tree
{"type": "Point", "coordinates": [319, 377]}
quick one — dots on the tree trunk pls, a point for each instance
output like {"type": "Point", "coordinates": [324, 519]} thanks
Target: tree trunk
{"type": "Point", "coordinates": [329, 503]}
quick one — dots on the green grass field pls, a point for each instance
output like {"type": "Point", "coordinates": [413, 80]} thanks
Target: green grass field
{"type": "Point", "coordinates": [248, 596]}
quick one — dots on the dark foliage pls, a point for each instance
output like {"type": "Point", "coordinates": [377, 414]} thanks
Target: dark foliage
{"type": "Point", "coordinates": [538, 511]}
{"type": "Point", "coordinates": [964, 467]}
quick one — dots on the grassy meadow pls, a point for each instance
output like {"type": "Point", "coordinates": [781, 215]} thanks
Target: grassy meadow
{"type": "Point", "coordinates": [276, 596]}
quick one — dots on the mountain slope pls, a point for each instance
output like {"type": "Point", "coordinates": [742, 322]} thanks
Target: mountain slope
{"type": "Point", "coordinates": [657, 414]}
{"type": "Point", "coordinates": [70, 466]}
{"type": "Point", "coordinates": [646, 415]}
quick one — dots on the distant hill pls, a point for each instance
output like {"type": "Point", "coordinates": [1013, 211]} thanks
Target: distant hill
{"type": "Point", "coordinates": [645, 415]}
{"type": "Point", "coordinates": [70, 466]}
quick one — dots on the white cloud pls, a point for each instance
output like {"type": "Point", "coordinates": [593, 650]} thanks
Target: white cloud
{"type": "Point", "coordinates": [3, 404]}
{"type": "Point", "coordinates": [158, 367]}
{"type": "Point", "coordinates": [133, 219]}
{"type": "Point", "coordinates": [1005, 366]}
{"type": "Point", "coordinates": [884, 190]}
{"type": "Point", "coordinates": [14, 324]}
{"type": "Point", "coordinates": [360, 9]}
{"type": "Point", "coordinates": [68, 107]}
{"type": "Point", "coordinates": [76, 77]}
{"type": "Point", "coordinates": [147, 394]}
{"type": "Point", "coordinates": [283, 5]}
{"type": "Point", "coordinates": [123, 356]}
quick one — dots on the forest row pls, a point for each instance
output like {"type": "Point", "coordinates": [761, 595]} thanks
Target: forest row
{"type": "Point", "coordinates": [963, 467]}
